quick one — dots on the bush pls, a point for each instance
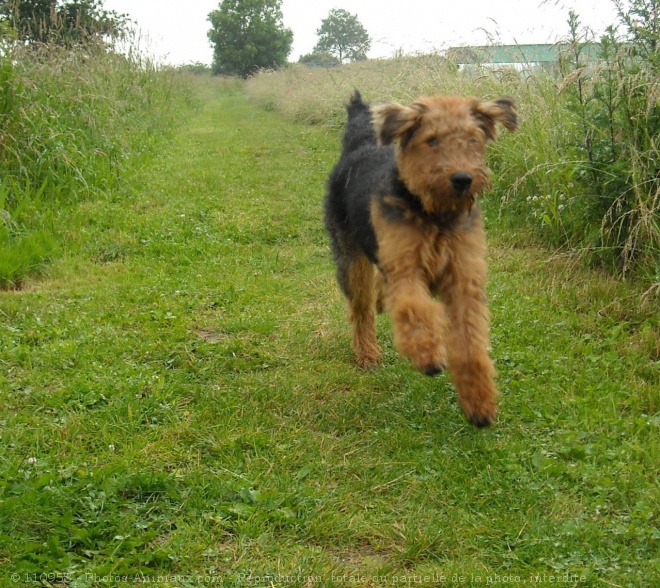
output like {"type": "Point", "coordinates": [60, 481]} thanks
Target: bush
{"type": "Point", "coordinates": [323, 59]}
{"type": "Point", "coordinates": [615, 106]}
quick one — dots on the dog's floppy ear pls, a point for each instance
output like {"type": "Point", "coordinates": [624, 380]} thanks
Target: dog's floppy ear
{"type": "Point", "coordinates": [394, 121]}
{"type": "Point", "coordinates": [501, 111]}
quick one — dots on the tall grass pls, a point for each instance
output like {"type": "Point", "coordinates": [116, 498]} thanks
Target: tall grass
{"type": "Point", "coordinates": [318, 95]}
{"type": "Point", "coordinates": [73, 122]}
{"type": "Point", "coordinates": [581, 173]}
{"type": "Point", "coordinates": [615, 102]}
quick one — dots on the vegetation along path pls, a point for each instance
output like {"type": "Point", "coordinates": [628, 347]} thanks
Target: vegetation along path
{"type": "Point", "coordinates": [179, 402]}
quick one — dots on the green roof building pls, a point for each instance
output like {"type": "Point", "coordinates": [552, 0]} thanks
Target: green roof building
{"type": "Point", "coordinates": [520, 57]}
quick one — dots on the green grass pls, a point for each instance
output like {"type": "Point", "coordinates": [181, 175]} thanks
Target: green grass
{"type": "Point", "coordinates": [178, 399]}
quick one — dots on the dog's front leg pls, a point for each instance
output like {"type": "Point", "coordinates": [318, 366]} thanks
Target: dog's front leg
{"type": "Point", "coordinates": [419, 322]}
{"type": "Point", "coordinates": [463, 292]}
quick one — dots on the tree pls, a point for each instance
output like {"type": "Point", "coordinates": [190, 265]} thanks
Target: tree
{"type": "Point", "coordinates": [248, 35]}
{"type": "Point", "coordinates": [61, 22]}
{"type": "Point", "coordinates": [342, 35]}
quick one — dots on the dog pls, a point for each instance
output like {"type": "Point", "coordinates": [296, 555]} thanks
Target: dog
{"type": "Point", "coordinates": [403, 197]}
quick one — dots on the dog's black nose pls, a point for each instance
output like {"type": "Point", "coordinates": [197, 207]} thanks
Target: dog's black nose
{"type": "Point", "coordinates": [461, 181]}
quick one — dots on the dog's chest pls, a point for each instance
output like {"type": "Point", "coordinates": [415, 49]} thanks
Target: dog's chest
{"type": "Point", "coordinates": [434, 253]}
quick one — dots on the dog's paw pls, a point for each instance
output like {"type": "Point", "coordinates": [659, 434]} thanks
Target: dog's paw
{"type": "Point", "coordinates": [480, 406]}
{"type": "Point", "coordinates": [370, 360]}
{"type": "Point", "coordinates": [433, 369]}
{"type": "Point", "coordinates": [418, 335]}
{"type": "Point", "coordinates": [431, 360]}
{"type": "Point", "coordinates": [482, 417]}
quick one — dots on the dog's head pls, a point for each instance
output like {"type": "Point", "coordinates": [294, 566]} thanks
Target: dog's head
{"type": "Point", "coordinates": [441, 145]}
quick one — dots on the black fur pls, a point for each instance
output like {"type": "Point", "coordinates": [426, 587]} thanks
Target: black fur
{"type": "Point", "coordinates": [363, 167]}
{"type": "Point", "coordinates": [364, 170]}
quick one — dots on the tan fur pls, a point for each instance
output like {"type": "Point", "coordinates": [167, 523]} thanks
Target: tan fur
{"type": "Point", "coordinates": [431, 273]}
{"type": "Point", "coordinates": [361, 312]}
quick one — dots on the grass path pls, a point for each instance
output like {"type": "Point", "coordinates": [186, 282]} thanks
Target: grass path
{"type": "Point", "coordinates": [178, 400]}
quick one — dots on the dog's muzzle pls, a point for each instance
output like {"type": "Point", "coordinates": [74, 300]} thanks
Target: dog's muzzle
{"type": "Point", "coordinates": [461, 182]}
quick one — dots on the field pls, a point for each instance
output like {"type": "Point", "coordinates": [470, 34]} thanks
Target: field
{"type": "Point", "coordinates": [180, 407]}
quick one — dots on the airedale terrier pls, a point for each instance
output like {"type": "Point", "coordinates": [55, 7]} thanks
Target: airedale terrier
{"type": "Point", "coordinates": [403, 197]}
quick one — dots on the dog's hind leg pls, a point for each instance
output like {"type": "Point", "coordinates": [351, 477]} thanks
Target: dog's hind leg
{"type": "Point", "coordinates": [356, 278]}
{"type": "Point", "coordinates": [379, 285]}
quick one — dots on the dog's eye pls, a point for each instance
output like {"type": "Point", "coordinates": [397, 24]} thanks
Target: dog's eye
{"type": "Point", "coordinates": [432, 142]}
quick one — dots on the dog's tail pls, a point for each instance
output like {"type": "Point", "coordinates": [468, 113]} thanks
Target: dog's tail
{"type": "Point", "coordinates": [357, 106]}
{"type": "Point", "coordinates": [359, 125]}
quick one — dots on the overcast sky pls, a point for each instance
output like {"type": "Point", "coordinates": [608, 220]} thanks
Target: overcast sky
{"type": "Point", "coordinates": [175, 31]}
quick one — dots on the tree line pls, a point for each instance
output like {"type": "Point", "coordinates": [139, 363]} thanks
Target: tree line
{"type": "Point", "coordinates": [246, 35]}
